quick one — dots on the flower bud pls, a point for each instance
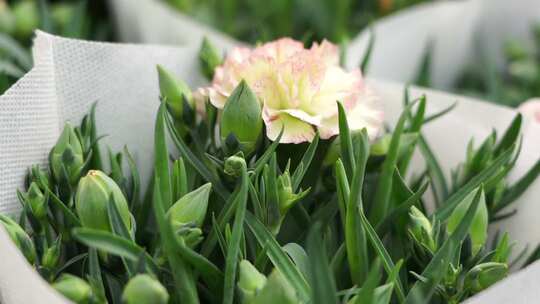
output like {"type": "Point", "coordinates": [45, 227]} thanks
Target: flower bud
{"type": "Point", "coordinates": [67, 153]}
{"type": "Point", "coordinates": [190, 208]}
{"type": "Point", "coordinates": [174, 91]}
{"type": "Point", "coordinates": [37, 202]}
{"type": "Point", "coordinates": [234, 166]}
{"type": "Point", "coordinates": [287, 198]}
{"type": "Point", "coordinates": [144, 289]}
{"type": "Point", "coordinates": [242, 117]}
{"type": "Point", "coordinates": [93, 195]}
{"type": "Point", "coordinates": [420, 229]}
{"type": "Point", "coordinates": [51, 256]}
{"type": "Point", "coordinates": [276, 290]}
{"type": "Point", "coordinates": [19, 237]}
{"type": "Point", "coordinates": [251, 281]}
{"type": "Point", "coordinates": [484, 275]}
{"type": "Point", "coordinates": [209, 58]}
{"type": "Point", "coordinates": [73, 288]}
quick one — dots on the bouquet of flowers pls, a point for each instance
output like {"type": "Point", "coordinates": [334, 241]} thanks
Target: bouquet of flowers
{"type": "Point", "coordinates": [279, 182]}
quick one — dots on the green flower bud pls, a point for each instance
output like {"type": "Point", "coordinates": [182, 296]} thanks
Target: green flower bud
{"type": "Point", "coordinates": [276, 290]}
{"type": "Point", "coordinates": [234, 166]}
{"type": "Point", "coordinates": [93, 195]}
{"type": "Point", "coordinates": [144, 289]}
{"type": "Point", "coordinates": [37, 202]}
{"type": "Point", "coordinates": [51, 256]}
{"type": "Point", "coordinates": [190, 208]}
{"type": "Point", "coordinates": [287, 198]}
{"type": "Point", "coordinates": [515, 50]}
{"type": "Point", "coordinates": [26, 18]}
{"type": "Point", "coordinates": [484, 275]}
{"type": "Point", "coordinates": [73, 288]}
{"type": "Point", "coordinates": [421, 230]}
{"type": "Point", "coordinates": [209, 58]}
{"type": "Point", "coordinates": [67, 153]}
{"type": "Point", "coordinates": [174, 91]}
{"type": "Point", "coordinates": [242, 117]}
{"type": "Point", "coordinates": [251, 281]}
{"type": "Point", "coordinates": [19, 237]}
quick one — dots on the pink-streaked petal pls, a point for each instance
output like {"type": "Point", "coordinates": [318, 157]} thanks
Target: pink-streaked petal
{"type": "Point", "coordinates": [295, 131]}
{"type": "Point", "coordinates": [327, 51]}
{"type": "Point", "coordinates": [303, 116]}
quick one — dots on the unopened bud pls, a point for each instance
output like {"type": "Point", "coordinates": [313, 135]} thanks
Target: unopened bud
{"type": "Point", "coordinates": [37, 201]}
{"type": "Point", "coordinates": [190, 208]}
{"type": "Point", "coordinates": [420, 229]}
{"type": "Point", "coordinates": [67, 154]}
{"type": "Point", "coordinates": [484, 275]}
{"type": "Point", "coordinates": [93, 195]}
{"type": "Point", "coordinates": [242, 117]}
{"type": "Point", "coordinates": [209, 58]}
{"type": "Point", "coordinates": [73, 288]}
{"type": "Point", "coordinates": [234, 166]}
{"type": "Point", "coordinates": [51, 256]}
{"type": "Point", "coordinates": [175, 91]}
{"type": "Point", "coordinates": [251, 281]}
{"type": "Point", "coordinates": [144, 289]}
{"type": "Point", "coordinates": [20, 238]}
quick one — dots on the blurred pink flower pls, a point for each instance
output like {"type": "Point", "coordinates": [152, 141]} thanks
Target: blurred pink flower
{"type": "Point", "coordinates": [298, 89]}
{"type": "Point", "coordinates": [531, 108]}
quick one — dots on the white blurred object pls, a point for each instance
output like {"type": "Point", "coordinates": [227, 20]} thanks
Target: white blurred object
{"type": "Point", "coordinates": [69, 75]}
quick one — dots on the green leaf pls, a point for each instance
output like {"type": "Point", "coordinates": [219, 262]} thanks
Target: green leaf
{"type": "Point", "coordinates": [517, 189]}
{"type": "Point", "coordinates": [70, 216]}
{"type": "Point", "coordinates": [120, 229]}
{"type": "Point", "coordinates": [383, 254]}
{"type": "Point", "coordinates": [261, 161]}
{"type": "Point", "coordinates": [510, 136]}
{"type": "Point", "coordinates": [182, 274]}
{"type": "Point", "coordinates": [231, 261]}
{"type": "Point", "coordinates": [444, 212]}
{"type": "Point", "coordinates": [422, 291]}
{"type": "Point", "coordinates": [382, 195]}
{"type": "Point", "coordinates": [94, 273]}
{"type": "Point", "coordinates": [367, 292]}
{"type": "Point", "coordinates": [323, 286]}
{"type": "Point", "coordinates": [303, 167]}
{"type": "Point", "coordinates": [299, 257]}
{"type": "Point", "coordinates": [478, 230]}
{"type": "Point", "coordinates": [191, 158]}
{"type": "Point", "coordinates": [355, 237]}
{"type": "Point", "coordinates": [440, 185]}
{"type": "Point", "coordinates": [369, 49]}
{"type": "Point", "coordinates": [161, 158]}
{"type": "Point", "coordinates": [345, 139]}
{"type": "Point", "coordinates": [113, 244]}
{"type": "Point", "coordinates": [278, 257]}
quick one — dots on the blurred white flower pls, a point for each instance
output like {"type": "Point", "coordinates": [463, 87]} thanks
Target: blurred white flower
{"type": "Point", "coordinates": [298, 89]}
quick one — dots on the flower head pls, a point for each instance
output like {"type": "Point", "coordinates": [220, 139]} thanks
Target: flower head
{"type": "Point", "coordinates": [531, 108]}
{"type": "Point", "coordinates": [298, 89]}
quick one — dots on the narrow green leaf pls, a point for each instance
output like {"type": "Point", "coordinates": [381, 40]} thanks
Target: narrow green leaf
{"type": "Point", "coordinates": [345, 140]}
{"type": "Point", "coordinates": [510, 136]}
{"type": "Point", "coordinates": [517, 189]}
{"type": "Point", "coordinates": [303, 167]}
{"type": "Point", "coordinates": [231, 261]}
{"type": "Point", "coordinates": [161, 158]}
{"type": "Point", "coordinates": [323, 286]}
{"type": "Point", "coordinates": [183, 276]}
{"type": "Point", "coordinates": [278, 257]}
{"type": "Point", "coordinates": [382, 195]}
{"type": "Point", "coordinates": [444, 212]}
{"type": "Point", "coordinates": [367, 54]}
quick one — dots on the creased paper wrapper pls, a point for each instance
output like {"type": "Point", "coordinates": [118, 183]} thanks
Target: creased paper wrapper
{"type": "Point", "coordinates": [70, 75]}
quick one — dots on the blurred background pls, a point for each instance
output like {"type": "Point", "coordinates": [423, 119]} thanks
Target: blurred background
{"type": "Point", "coordinates": [442, 44]}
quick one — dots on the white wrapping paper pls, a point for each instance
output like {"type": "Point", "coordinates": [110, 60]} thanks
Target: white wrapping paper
{"type": "Point", "coordinates": [70, 75]}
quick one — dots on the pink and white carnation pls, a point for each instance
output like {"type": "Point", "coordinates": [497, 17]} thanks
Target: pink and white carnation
{"type": "Point", "coordinates": [531, 108]}
{"type": "Point", "coordinates": [298, 89]}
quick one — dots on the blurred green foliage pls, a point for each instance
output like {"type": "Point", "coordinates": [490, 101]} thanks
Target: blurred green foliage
{"type": "Point", "coordinates": [20, 18]}
{"type": "Point", "coordinates": [308, 20]}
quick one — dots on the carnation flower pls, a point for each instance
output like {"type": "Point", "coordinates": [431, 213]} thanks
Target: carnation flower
{"type": "Point", "coordinates": [531, 108]}
{"type": "Point", "coordinates": [298, 89]}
